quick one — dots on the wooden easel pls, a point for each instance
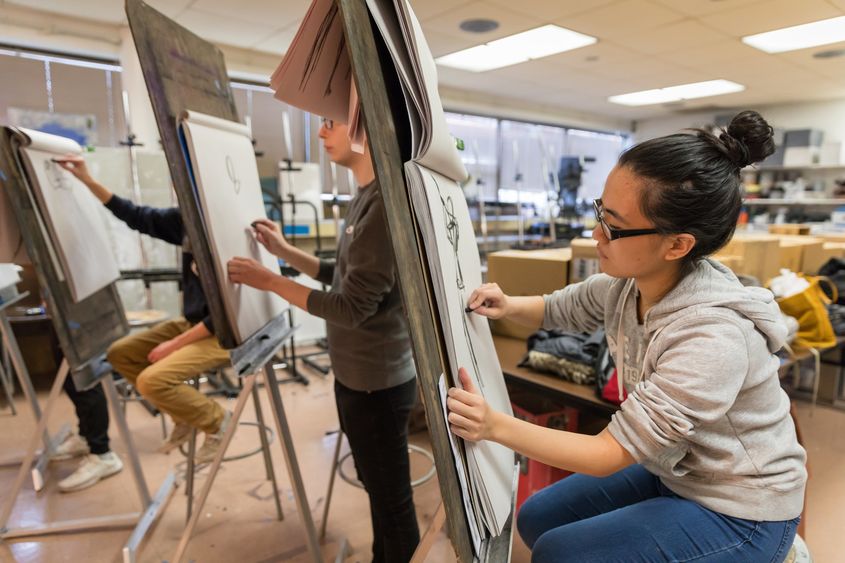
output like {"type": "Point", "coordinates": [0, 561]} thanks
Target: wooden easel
{"type": "Point", "coordinates": [378, 89]}
{"type": "Point", "coordinates": [84, 329]}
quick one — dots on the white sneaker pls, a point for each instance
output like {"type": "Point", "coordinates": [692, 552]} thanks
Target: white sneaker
{"type": "Point", "coordinates": [93, 468]}
{"type": "Point", "coordinates": [212, 441]}
{"type": "Point", "coordinates": [73, 446]}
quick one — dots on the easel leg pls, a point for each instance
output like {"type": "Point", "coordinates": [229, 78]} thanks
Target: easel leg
{"type": "Point", "coordinates": [215, 467]}
{"type": "Point", "coordinates": [7, 388]}
{"type": "Point", "coordinates": [430, 535]}
{"type": "Point", "coordinates": [41, 429]}
{"type": "Point", "coordinates": [272, 385]}
{"type": "Point", "coordinates": [152, 506]}
{"type": "Point", "coordinates": [331, 484]}
{"type": "Point", "coordinates": [265, 448]}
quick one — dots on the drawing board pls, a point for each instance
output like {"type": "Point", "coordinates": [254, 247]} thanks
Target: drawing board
{"type": "Point", "coordinates": [72, 215]}
{"type": "Point", "coordinates": [225, 173]}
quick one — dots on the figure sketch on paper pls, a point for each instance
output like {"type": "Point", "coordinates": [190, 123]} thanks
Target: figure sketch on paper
{"type": "Point", "coordinates": [233, 174]}
{"type": "Point", "coordinates": [54, 176]}
{"type": "Point", "coordinates": [453, 233]}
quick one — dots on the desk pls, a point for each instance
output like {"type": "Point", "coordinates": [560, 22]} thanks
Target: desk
{"type": "Point", "coordinates": [510, 352]}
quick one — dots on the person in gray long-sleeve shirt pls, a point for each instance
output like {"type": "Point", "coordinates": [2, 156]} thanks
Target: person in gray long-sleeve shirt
{"type": "Point", "coordinates": [369, 345]}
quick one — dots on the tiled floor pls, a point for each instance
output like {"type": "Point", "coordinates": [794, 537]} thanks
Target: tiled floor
{"type": "Point", "coordinates": [238, 523]}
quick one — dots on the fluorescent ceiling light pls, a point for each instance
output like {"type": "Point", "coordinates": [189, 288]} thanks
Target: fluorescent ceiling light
{"type": "Point", "coordinates": [796, 37]}
{"type": "Point", "coordinates": [677, 93]}
{"type": "Point", "coordinates": [532, 44]}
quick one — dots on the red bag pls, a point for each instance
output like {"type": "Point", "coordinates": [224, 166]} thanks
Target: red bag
{"type": "Point", "coordinates": [610, 392]}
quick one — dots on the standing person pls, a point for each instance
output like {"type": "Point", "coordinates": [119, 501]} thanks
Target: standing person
{"type": "Point", "coordinates": [369, 345]}
{"type": "Point", "coordinates": [158, 361]}
{"type": "Point", "coordinates": [701, 463]}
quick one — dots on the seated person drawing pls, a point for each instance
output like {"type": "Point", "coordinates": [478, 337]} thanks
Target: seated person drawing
{"type": "Point", "coordinates": [158, 361]}
{"type": "Point", "coordinates": [369, 344]}
{"type": "Point", "coordinates": [702, 461]}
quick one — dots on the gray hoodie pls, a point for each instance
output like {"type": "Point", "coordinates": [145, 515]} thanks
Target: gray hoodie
{"type": "Point", "coordinates": [705, 410]}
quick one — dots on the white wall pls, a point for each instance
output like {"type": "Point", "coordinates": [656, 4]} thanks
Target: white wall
{"type": "Point", "coordinates": [828, 116]}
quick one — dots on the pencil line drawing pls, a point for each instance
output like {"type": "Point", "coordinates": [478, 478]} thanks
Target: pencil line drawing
{"type": "Point", "coordinates": [453, 233]}
{"type": "Point", "coordinates": [233, 174]}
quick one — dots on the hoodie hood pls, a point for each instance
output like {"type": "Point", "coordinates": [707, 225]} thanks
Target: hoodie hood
{"type": "Point", "coordinates": [711, 284]}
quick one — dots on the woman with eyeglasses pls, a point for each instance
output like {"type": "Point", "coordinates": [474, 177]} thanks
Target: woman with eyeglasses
{"type": "Point", "coordinates": [701, 463]}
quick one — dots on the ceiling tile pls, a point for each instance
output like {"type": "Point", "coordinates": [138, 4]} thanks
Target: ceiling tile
{"type": "Point", "coordinates": [170, 8]}
{"type": "Point", "coordinates": [443, 44]}
{"type": "Point", "coordinates": [671, 37]}
{"type": "Point", "coordinates": [222, 29]}
{"type": "Point", "coordinates": [593, 56]}
{"type": "Point", "coordinates": [703, 8]}
{"type": "Point", "coordinates": [726, 50]}
{"type": "Point", "coordinates": [425, 9]}
{"type": "Point", "coordinates": [272, 13]}
{"type": "Point", "coordinates": [278, 42]}
{"type": "Point", "coordinates": [551, 9]}
{"type": "Point", "coordinates": [509, 22]}
{"type": "Point", "coordinates": [621, 19]}
{"type": "Point", "coordinates": [109, 11]}
{"type": "Point", "coordinates": [830, 67]}
{"type": "Point", "coordinates": [770, 15]}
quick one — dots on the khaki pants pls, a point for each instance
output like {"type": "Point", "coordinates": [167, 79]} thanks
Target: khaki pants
{"type": "Point", "coordinates": [162, 383]}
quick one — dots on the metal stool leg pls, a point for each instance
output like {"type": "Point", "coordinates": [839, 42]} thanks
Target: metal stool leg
{"type": "Point", "coordinates": [265, 447]}
{"type": "Point", "coordinates": [331, 484]}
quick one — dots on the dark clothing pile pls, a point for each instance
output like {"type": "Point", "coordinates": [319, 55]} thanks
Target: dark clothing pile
{"type": "Point", "coordinates": [571, 356]}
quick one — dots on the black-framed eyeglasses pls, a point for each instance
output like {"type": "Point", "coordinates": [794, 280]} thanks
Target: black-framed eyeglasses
{"type": "Point", "coordinates": [327, 123]}
{"type": "Point", "coordinates": [613, 234]}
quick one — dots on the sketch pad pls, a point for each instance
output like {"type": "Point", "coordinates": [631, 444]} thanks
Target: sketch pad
{"type": "Point", "coordinates": [70, 213]}
{"type": "Point", "coordinates": [226, 181]}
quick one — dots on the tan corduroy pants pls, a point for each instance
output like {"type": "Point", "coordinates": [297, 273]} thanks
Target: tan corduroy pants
{"type": "Point", "coordinates": [162, 383]}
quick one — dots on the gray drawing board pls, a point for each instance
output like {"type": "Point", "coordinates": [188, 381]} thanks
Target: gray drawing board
{"type": "Point", "coordinates": [86, 328]}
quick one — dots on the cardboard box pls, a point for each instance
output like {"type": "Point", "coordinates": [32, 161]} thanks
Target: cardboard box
{"type": "Point", "coordinates": [791, 253]}
{"type": "Point", "coordinates": [815, 258]}
{"type": "Point", "coordinates": [585, 259]}
{"type": "Point", "coordinates": [760, 255]}
{"type": "Point", "coordinates": [811, 249]}
{"type": "Point", "coordinates": [831, 237]}
{"type": "Point", "coordinates": [789, 229]}
{"type": "Point", "coordinates": [527, 272]}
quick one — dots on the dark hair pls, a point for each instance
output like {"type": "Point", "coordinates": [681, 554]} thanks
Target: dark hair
{"type": "Point", "coordinates": [693, 179]}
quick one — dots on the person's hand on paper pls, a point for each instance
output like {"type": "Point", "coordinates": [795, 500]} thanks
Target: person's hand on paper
{"type": "Point", "coordinates": [74, 164]}
{"type": "Point", "coordinates": [267, 232]}
{"type": "Point", "coordinates": [250, 272]}
{"type": "Point", "coordinates": [163, 350]}
{"type": "Point", "coordinates": [488, 300]}
{"type": "Point", "coordinates": [470, 417]}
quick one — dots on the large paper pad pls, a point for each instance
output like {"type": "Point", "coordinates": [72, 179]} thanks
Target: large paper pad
{"type": "Point", "coordinates": [226, 180]}
{"type": "Point", "coordinates": [71, 214]}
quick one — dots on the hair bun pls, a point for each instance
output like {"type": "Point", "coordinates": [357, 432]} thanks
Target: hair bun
{"type": "Point", "coordinates": [748, 138]}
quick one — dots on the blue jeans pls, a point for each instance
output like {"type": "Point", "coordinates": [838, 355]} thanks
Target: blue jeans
{"type": "Point", "coordinates": [631, 516]}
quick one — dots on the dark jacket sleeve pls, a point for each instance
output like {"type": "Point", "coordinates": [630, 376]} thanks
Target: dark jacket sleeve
{"type": "Point", "coordinates": [325, 274]}
{"type": "Point", "coordinates": [369, 277]}
{"type": "Point", "coordinates": [164, 224]}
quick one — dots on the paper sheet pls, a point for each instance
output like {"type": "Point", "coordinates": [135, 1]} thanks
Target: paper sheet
{"type": "Point", "coordinates": [453, 258]}
{"type": "Point", "coordinates": [226, 180]}
{"type": "Point", "coordinates": [72, 216]}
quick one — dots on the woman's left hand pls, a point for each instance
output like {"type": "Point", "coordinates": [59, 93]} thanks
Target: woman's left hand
{"type": "Point", "coordinates": [250, 272]}
{"type": "Point", "coordinates": [470, 416]}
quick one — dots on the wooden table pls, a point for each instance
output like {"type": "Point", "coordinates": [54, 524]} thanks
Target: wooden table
{"type": "Point", "coordinates": [510, 352]}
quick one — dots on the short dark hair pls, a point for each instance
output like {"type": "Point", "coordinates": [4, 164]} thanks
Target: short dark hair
{"type": "Point", "coordinates": [693, 179]}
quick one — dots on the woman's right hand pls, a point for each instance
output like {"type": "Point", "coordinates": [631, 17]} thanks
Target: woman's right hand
{"type": "Point", "coordinates": [490, 301]}
{"type": "Point", "coordinates": [270, 236]}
